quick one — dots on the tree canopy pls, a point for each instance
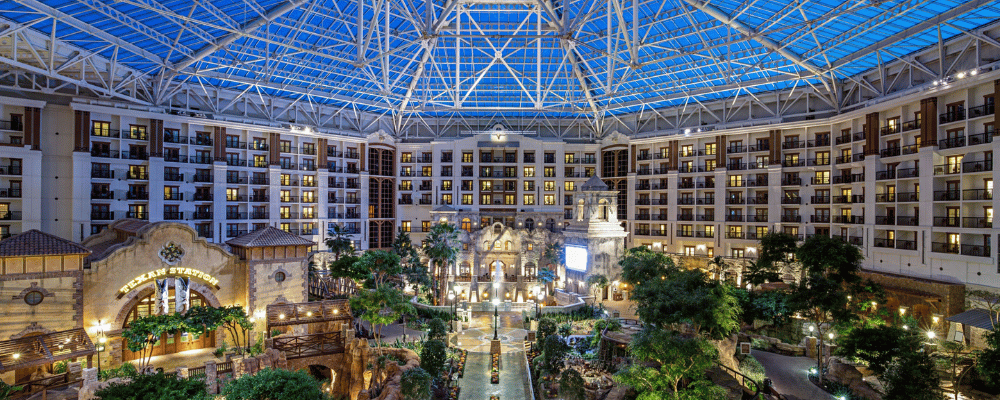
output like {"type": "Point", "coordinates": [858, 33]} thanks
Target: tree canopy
{"type": "Point", "coordinates": [273, 384]}
{"type": "Point", "coordinates": [678, 370]}
{"type": "Point", "coordinates": [665, 295]}
{"type": "Point", "coordinates": [441, 246]}
{"type": "Point", "coordinates": [154, 387]}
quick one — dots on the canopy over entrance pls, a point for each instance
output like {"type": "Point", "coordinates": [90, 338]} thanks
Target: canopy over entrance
{"type": "Point", "coordinates": [32, 351]}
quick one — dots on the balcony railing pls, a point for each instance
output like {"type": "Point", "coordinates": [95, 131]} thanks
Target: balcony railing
{"type": "Point", "coordinates": [906, 244]}
{"type": "Point", "coordinates": [173, 215]}
{"type": "Point", "coordinates": [884, 243]}
{"type": "Point", "coordinates": [820, 199]}
{"type": "Point", "coordinates": [947, 195]}
{"type": "Point", "coordinates": [137, 215]}
{"type": "Point", "coordinates": [907, 196]}
{"type": "Point", "coordinates": [951, 222]}
{"type": "Point", "coordinates": [976, 250]}
{"type": "Point", "coordinates": [791, 182]}
{"type": "Point", "coordinates": [202, 215]}
{"type": "Point", "coordinates": [791, 218]}
{"type": "Point", "coordinates": [977, 194]}
{"type": "Point", "coordinates": [102, 215]}
{"type": "Point", "coordinates": [102, 195]}
{"type": "Point", "coordinates": [939, 247]}
{"type": "Point", "coordinates": [953, 116]}
{"type": "Point", "coordinates": [791, 200]}
{"type": "Point", "coordinates": [979, 111]}
{"type": "Point", "coordinates": [950, 143]}
{"type": "Point", "coordinates": [819, 219]}
{"type": "Point", "coordinates": [977, 222]}
{"type": "Point", "coordinates": [907, 220]}
{"type": "Point", "coordinates": [10, 215]}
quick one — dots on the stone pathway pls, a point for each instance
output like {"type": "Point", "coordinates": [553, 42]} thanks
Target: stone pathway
{"type": "Point", "coordinates": [788, 374]}
{"type": "Point", "coordinates": [513, 384]}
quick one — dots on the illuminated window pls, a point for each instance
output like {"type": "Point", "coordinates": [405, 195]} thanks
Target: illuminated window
{"type": "Point", "coordinates": [529, 199]}
{"type": "Point", "coordinates": [550, 199]}
{"type": "Point", "coordinates": [550, 186]}
{"type": "Point", "coordinates": [404, 226]}
{"type": "Point", "coordinates": [550, 172]}
{"type": "Point", "coordinates": [569, 186]}
{"type": "Point", "coordinates": [446, 198]}
{"type": "Point", "coordinates": [529, 172]}
{"type": "Point", "coordinates": [445, 185]}
{"type": "Point", "coordinates": [406, 157]}
{"type": "Point", "coordinates": [466, 199]}
{"type": "Point", "coordinates": [509, 199]}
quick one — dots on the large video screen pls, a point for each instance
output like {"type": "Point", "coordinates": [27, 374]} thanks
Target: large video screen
{"type": "Point", "coordinates": [576, 258]}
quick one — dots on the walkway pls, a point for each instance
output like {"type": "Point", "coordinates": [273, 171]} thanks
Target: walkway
{"type": "Point", "coordinates": [788, 374]}
{"type": "Point", "coordinates": [513, 384]}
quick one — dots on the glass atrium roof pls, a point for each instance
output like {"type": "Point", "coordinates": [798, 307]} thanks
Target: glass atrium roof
{"type": "Point", "coordinates": [511, 56]}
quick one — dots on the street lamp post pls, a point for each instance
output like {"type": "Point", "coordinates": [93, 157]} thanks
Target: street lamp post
{"type": "Point", "coordinates": [102, 341]}
{"type": "Point", "coordinates": [496, 304]}
{"type": "Point", "coordinates": [451, 298]}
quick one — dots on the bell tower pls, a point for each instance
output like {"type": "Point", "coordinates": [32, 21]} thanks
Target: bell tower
{"type": "Point", "coordinates": [595, 238]}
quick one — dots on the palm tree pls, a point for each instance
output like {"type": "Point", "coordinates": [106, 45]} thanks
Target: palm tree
{"type": "Point", "coordinates": [598, 281]}
{"type": "Point", "coordinates": [338, 242]}
{"type": "Point", "coordinates": [441, 247]}
{"type": "Point", "coordinates": [414, 271]}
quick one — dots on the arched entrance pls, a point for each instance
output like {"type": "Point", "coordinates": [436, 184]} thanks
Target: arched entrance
{"type": "Point", "coordinates": [168, 343]}
{"type": "Point", "coordinates": [494, 266]}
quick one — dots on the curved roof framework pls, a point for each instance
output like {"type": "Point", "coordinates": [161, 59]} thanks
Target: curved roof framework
{"type": "Point", "coordinates": [480, 57]}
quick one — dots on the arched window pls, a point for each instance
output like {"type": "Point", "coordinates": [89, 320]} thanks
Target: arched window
{"type": "Point", "coordinates": [466, 225]}
{"type": "Point", "coordinates": [529, 223]}
{"type": "Point", "coordinates": [508, 245]}
{"type": "Point", "coordinates": [550, 225]}
{"type": "Point", "coordinates": [603, 204]}
{"type": "Point", "coordinates": [497, 228]}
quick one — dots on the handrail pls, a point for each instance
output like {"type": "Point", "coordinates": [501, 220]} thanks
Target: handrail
{"type": "Point", "coordinates": [757, 386]}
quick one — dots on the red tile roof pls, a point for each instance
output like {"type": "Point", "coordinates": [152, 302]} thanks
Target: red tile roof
{"type": "Point", "coordinates": [268, 237]}
{"type": "Point", "coordinates": [38, 243]}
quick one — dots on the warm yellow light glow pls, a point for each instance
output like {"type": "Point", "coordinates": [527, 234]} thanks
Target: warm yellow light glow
{"type": "Point", "coordinates": [309, 314]}
{"type": "Point", "coordinates": [902, 311]}
{"type": "Point", "coordinates": [931, 334]}
{"type": "Point", "coordinates": [103, 340]}
{"type": "Point", "coordinates": [17, 355]}
{"type": "Point", "coordinates": [830, 335]}
{"type": "Point", "coordinates": [336, 311]}
{"type": "Point", "coordinates": [935, 319]}
{"type": "Point", "coordinates": [282, 316]}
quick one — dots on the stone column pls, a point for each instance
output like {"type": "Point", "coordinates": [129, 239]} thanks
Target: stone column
{"type": "Point", "coordinates": [238, 367]}
{"type": "Point", "coordinates": [211, 377]}
{"type": "Point", "coordinates": [89, 376]}
{"type": "Point", "coordinates": [182, 373]}
{"type": "Point", "coordinates": [74, 371]}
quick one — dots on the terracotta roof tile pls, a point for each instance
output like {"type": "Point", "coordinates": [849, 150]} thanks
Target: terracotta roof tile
{"type": "Point", "coordinates": [267, 237]}
{"type": "Point", "coordinates": [38, 243]}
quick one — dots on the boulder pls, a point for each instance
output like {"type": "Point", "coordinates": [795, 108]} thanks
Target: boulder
{"type": "Point", "coordinates": [849, 376]}
{"type": "Point", "coordinates": [790, 349]}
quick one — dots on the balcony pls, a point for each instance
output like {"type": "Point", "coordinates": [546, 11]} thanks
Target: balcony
{"type": "Point", "coordinates": [200, 215]}
{"type": "Point", "coordinates": [236, 215]}
{"type": "Point", "coordinates": [734, 166]}
{"type": "Point", "coordinates": [705, 200]}
{"type": "Point", "coordinates": [173, 215]}
{"type": "Point", "coordinates": [642, 217]}
{"type": "Point", "coordinates": [907, 197]}
{"type": "Point", "coordinates": [819, 219]}
{"type": "Point", "coordinates": [949, 222]}
{"type": "Point", "coordinates": [706, 185]}
{"type": "Point", "coordinates": [735, 235]}
{"type": "Point", "coordinates": [10, 216]}
{"type": "Point", "coordinates": [683, 201]}
{"type": "Point", "coordinates": [259, 181]}
{"type": "Point", "coordinates": [173, 196]}
{"type": "Point", "coordinates": [102, 194]}
{"type": "Point", "coordinates": [947, 195]}
{"type": "Point", "coordinates": [133, 195]}
{"type": "Point", "coordinates": [705, 217]}
{"type": "Point", "coordinates": [793, 144]}
{"type": "Point", "coordinates": [885, 220]}
{"type": "Point", "coordinates": [757, 218]}
{"type": "Point", "coordinates": [977, 194]}
{"type": "Point", "coordinates": [951, 143]}
{"type": "Point", "coordinates": [202, 159]}
{"type": "Point", "coordinates": [907, 220]}
{"type": "Point", "coordinates": [735, 200]}
{"type": "Point", "coordinates": [884, 243]}
{"type": "Point", "coordinates": [260, 215]}
{"type": "Point", "coordinates": [975, 250]}
{"type": "Point", "coordinates": [906, 244]}
{"type": "Point", "coordinates": [904, 173]}
{"type": "Point", "coordinates": [981, 138]}
{"type": "Point", "coordinates": [685, 233]}
{"type": "Point", "coordinates": [685, 217]}
{"type": "Point", "coordinates": [885, 198]}
{"type": "Point", "coordinates": [791, 181]}
{"type": "Point", "coordinates": [848, 219]}
{"type": "Point", "coordinates": [953, 116]}
{"type": "Point", "coordinates": [791, 218]}
{"type": "Point", "coordinates": [939, 247]}
{"type": "Point", "coordinates": [235, 232]}
{"type": "Point", "coordinates": [791, 200]}
{"type": "Point", "coordinates": [405, 201]}
{"type": "Point", "coordinates": [759, 199]}
{"type": "Point", "coordinates": [979, 111]}
{"type": "Point", "coordinates": [289, 215]}
{"type": "Point", "coordinates": [102, 215]}
{"type": "Point", "coordinates": [888, 130]}
{"type": "Point", "coordinates": [203, 196]}
{"type": "Point", "coordinates": [734, 218]}
{"type": "Point", "coordinates": [890, 151]}
{"type": "Point", "coordinates": [137, 215]}
{"type": "Point", "coordinates": [236, 179]}
{"type": "Point", "coordinates": [820, 199]}
{"type": "Point", "coordinates": [977, 222]}
{"type": "Point", "coordinates": [820, 181]}
{"type": "Point", "coordinates": [977, 166]}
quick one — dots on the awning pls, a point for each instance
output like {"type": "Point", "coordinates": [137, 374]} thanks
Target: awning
{"type": "Point", "coordinates": [976, 317]}
{"type": "Point", "coordinates": [43, 349]}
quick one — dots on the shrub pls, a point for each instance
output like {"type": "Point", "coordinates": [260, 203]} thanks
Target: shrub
{"type": "Point", "coordinates": [154, 387]}
{"type": "Point", "coordinates": [752, 368]}
{"type": "Point", "coordinates": [436, 329]}
{"type": "Point", "coordinates": [126, 370]}
{"type": "Point", "coordinates": [433, 357]}
{"type": "Point", "coordinates": [571, 385]}
{"type": "Point", "coordinates": [272, 384]}
{"type": "Point", "coordinates": [415, 384]}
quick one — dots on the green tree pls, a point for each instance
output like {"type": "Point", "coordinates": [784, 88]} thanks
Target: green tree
{"type": "Point", "coordinates": [830, 277]}
{"type": "Point", "coordinates": [707, 305]}
{"type": "Point", "coordinates": [433, 357]}
{"type": "Point", "coordinates": [878, 347]}
{"type": "Point", "coordinates": [678, 369]}
{"type": "Point", "coordinates": [546, 326]}
{"type": "Point", "coordinates": [554, 350]}
{"type": "Point", "coordinates": [414, 271]}
{"type": "Point", "coordinates": [546, 277]}
{"type": "Point", "coordinates": [415, 384]}
{"type": "Point", "coordinates": [339, 242]}
{"type": "Point", "coordinates": [776, 249]}
{"type": "Point", "coordinates": [154, 387]}
{"type": "Point", "coordinates": [953, 356]}
{"type": "Point", "coordinates": [770, 306]}
{"type": "Point", "coordinates": [441, 247]}
{"type": "Point", "coordinates": [988, 360]}
{"type": "Point", "coordinates": [912, 376]}
{"type": "Point", "coordinates": [273, 384]}
{"type": "Point", "coordinates": [6, 391]}
{"type": "Point", "coordinates": [571, 385]}
{"type": "Point", "coordinates": [436, 329]}
{"type": "Point", "coordinates": [555, 254]}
